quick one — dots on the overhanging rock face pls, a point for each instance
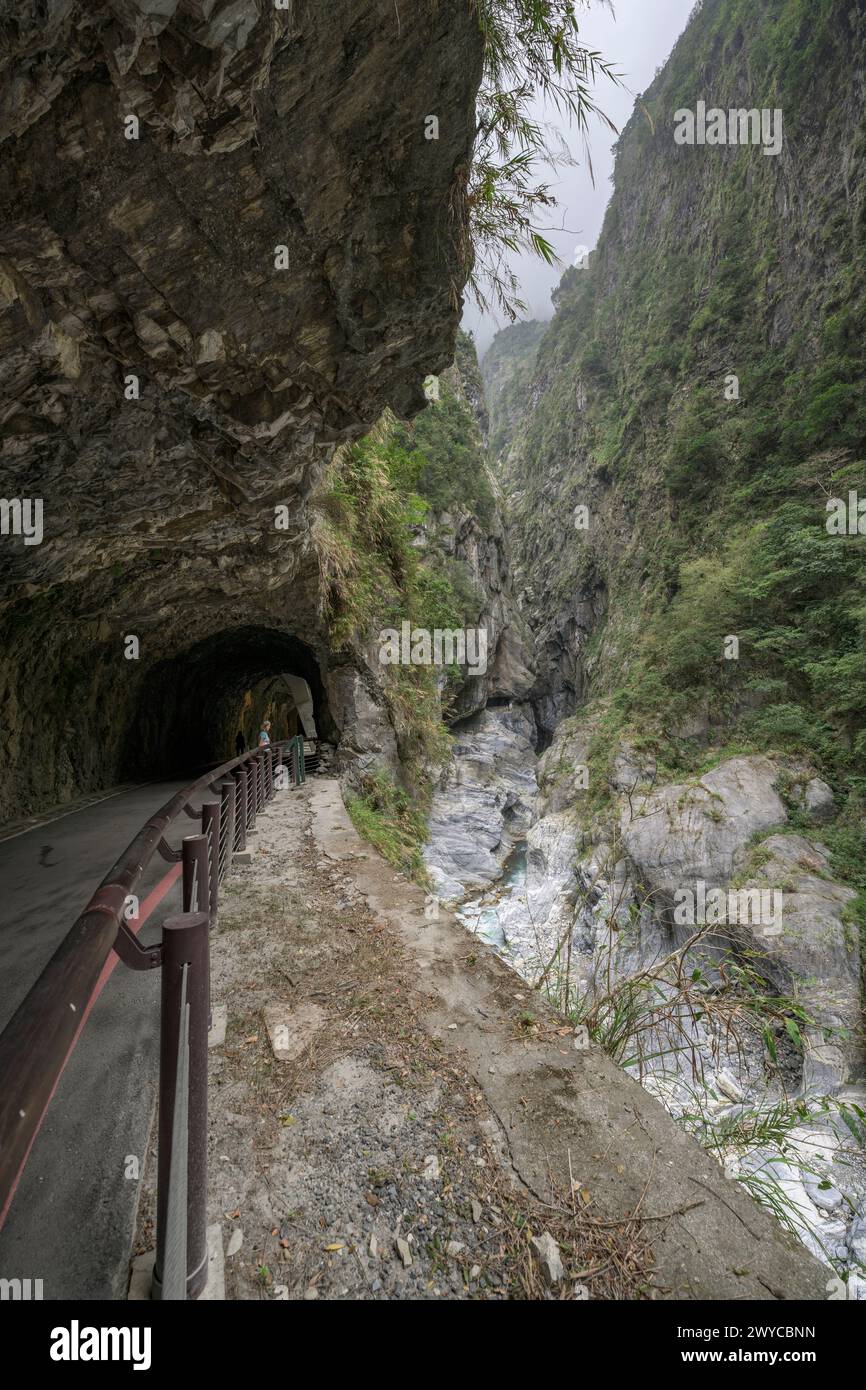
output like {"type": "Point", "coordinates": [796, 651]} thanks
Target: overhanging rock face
{"type": "Point", "coordinates": [272, 260]}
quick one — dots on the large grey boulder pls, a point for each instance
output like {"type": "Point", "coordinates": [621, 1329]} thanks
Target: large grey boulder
{"type": "Point", "coordinates": [700, 830]}
{"type": "Point", "coordinates": [812, 953]}
{"type": "Point", "coordinates": [538, 914]}
{"type": "Point", "coordinates": [561, 768]}
{"type": "Point", "coordinates": [690, 834]}
{"type": "Point", "coordinates": [367, 735]}
{"type": "Point", "coordinates": [819, 800]}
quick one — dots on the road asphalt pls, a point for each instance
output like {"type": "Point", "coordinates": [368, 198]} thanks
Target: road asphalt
{"type": "Point", "coordinates": [72, 1219]}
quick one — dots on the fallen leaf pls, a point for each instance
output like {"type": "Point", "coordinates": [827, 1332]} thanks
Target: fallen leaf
{"type": "Point", "coordinates": [337, 1246]}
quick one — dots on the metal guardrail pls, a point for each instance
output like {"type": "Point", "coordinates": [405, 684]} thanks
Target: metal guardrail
{"type": "Point", "coordinates": [38, 1040]}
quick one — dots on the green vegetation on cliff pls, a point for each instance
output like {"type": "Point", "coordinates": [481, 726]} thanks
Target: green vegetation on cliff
{"type": "Point", "coordinates": [378, 535]}
{"type": "Point", "coordinates": [380, 495]}
{"type": "Point", "coordinates": [507, 368]}
{"type": "Point", "coordinates": [705, 397]}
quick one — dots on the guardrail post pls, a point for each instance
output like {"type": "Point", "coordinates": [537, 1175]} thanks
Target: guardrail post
{"type": "Point", "coordinates": [240, 776]}
{"type": "Point", "coordinates": [181, 1206]}
{"type": "Point", "coordinates": [197, 887]}
{"type": "Point", "coordinates": [196, 874]}
{"type": "Point", "coordinates": [210, 827]}
{"type": "Point", "coordinates": [252, 797]}
{"type": "Point", "coordinates": [227, 823]}
{"type": "Point", "coordinates": [298, 771]}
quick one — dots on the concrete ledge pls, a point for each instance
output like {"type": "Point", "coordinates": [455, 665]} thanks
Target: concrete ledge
{"type": "Point", "coordinates": [141, 1277]}
{"type": "Point", "coordinates": [219, 1022]}
{"type": "Point", "coordinates": [564, 1112]}
{"type": "Point", "coordinates": [215, 1288]}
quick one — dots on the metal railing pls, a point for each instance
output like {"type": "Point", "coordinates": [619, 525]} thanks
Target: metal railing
{"type": "Point", "coordinates": [36, 1043]}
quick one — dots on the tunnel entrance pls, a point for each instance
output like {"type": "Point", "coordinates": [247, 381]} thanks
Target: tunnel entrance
{"type": "Point", "coordinates": [194, 705]}
{"type": "Point", "coordinates": [285, 701]}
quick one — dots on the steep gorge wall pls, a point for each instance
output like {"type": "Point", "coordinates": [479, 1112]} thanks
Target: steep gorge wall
{"type": "Point", "coordinates": [705, 510]}
{"type": "Point", "coordinates": [411, 539]}
{"type": "Point", "coordinates": [507, 369]}
{"type": "Point", "coordinates": [155, 257]}
{"type": "Point", "coordinates": [477, 537]}
{"type": "Point", "coordinates": [700, 637]}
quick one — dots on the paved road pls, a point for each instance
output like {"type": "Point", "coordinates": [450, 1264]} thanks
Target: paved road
{"type": "Point", "coordinates": [71, 1221]}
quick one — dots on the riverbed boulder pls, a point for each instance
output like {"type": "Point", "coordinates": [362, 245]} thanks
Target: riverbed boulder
{"type": "Point", "coordinates": [679, 834]}
{"type": "Point", "coordinates": [811, 953]}
{"type": "Point", "coordinates": [687, 834]}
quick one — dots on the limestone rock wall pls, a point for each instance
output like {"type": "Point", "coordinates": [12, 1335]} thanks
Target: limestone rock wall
{"type": "Point", "coordinates": [155, 258]}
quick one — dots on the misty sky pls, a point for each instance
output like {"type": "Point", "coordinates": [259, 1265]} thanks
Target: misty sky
{"type": "Point", "coordinates": [637, 41]}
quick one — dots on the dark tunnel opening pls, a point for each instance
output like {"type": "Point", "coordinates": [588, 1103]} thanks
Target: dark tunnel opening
{"type": "Point", "coordinates": [193, 706]}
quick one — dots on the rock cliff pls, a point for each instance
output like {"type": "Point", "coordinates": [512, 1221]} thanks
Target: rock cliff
{"type": "Point", "coordinates": [698, 398]}
{"type": "Point", "coordinates": [696, 401]}
{"type": "Point", "coordinates": [227, 246]}
{"type": "Point", "coordinates": [668, 449]}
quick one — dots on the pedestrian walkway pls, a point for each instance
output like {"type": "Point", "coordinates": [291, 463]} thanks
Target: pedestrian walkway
{"type": "Point", "coordinates": [395, 1115]}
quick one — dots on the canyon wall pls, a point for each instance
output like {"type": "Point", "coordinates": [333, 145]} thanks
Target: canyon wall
{"type": "Point", "coordinates": [715, 263]}
{"type": "Point", "coordinates": [227, 247]}
{"type": "Point", "coordinates": [675, 450]}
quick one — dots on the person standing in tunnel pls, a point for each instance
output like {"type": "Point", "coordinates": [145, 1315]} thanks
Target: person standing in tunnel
{"type": "Point", "coordinates": [264, 734]}
{"type": "Point", "coordinates": [240, 743]}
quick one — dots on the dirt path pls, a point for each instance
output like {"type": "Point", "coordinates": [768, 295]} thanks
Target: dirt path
{"type": "Point", "coordinates": [394, 1114]}
{"type": "Point", "coordinates": [366, 1164]}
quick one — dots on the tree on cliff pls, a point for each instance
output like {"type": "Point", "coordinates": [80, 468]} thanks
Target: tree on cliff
{"type": "Point", "coordinates": [532, 52]}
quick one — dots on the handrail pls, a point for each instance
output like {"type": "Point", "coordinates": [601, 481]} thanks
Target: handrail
{"type": "Point", "coordinates": [37, 1041]}
{"type": "Point", "coordinates": [174, 1273]}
